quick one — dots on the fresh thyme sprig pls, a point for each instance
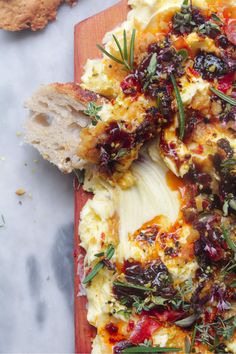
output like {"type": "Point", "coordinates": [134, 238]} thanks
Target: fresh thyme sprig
{"type": "Point", "coordinates": [224, 97]}
{"type": "Point", "coordinates": [92, 111]}
{"type": "Point", "coordinates": [211, 333]}
{"type": "Point", "coordinates": [180, 108]}
{"type": "Point", "coordinates": [126, 57]}
{"type": "Point", "coordinates": [107, 256]}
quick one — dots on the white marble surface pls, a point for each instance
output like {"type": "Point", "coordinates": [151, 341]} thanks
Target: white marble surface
{"type": "Point", "coordinates": [36, 244]}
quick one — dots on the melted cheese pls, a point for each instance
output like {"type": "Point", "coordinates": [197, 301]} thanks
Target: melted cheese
{"type": "Point", "coordinates": [114, 214]}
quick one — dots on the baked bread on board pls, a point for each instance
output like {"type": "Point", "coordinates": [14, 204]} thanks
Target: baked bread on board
{"type": "Point", "coordinates": [55, 121]}
{"type": "Point", "coordinates": [17, 15]}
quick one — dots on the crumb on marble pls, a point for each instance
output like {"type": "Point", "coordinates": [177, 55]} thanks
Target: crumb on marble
{"type": "Point", "coordinates": [20, 192]}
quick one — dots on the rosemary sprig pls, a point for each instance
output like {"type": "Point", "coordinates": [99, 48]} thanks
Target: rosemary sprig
{"type": "Point", "coordinates": [126, 58]}
{"type": "Point", "coordinates": [107, 256]}
{"type": "Point", "coordinates": [180, 108]}
{"type": "Point", "coordinates": [227, 238]}
{"type": "Point", "coordinates": [224, 97]}
{"type": "Point", "coordinates": [145, 349]}
{"type": "Point", "coordinates": [132, 286]}
{"type": "Point", "coordinates": [193, 339]}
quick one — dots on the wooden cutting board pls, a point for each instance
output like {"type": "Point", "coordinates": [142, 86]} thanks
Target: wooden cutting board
{"type": "Point", "coordinates": [87, 34]}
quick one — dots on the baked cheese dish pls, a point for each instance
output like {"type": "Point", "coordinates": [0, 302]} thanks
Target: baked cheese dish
{"type": "Point", "coordinates": [160, 231]}
{"type": "Point", "coordinates": [156, 145]}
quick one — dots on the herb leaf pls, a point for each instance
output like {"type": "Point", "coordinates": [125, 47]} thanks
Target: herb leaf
{"type": "Point", "coordinates": [132, 286]}
{"type": "Point", "coordinates": [151, 70]}
{"type": "Point", "coordinates": [193, 339]}
{"type": "Point", "coordinates": [127, 60]}
{"type": "Point", "coordinates": [109, 254]}
{"type": "Point", "coordinates": [227, 238]}
{"type": "Point", "coordinates": [228, 163]}
{"type": "Point", "coordinates": [93, 272]}
{"type": "Point", "coordinates": [144, 349]}
{"type": "Point", "coordinates": [224, 97]}
{"type": "Point", "coordinates": [216, 18]}
{"type": "Point", "coordinates": [186, 322]}
{"type": "Point", "coordinates": [180, 107]}
{"type": "Point", "coordinates": [132, 46]}
{"type": "Point", "coordinates": [183, 53]}
{"type": "Point", "coordinates": [92, 111]}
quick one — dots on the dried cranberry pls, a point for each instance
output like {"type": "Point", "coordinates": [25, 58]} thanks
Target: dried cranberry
{"type": "Point", "coordinates": [223, 41]}
{"type": "Point", "coordinates": [130, 85]}
{"type": "Point", "coordinates": [144, 330]}
{"type": "Point", "coordinates": [225, 146]}
{"type": "Point", "coordinates": [226, 82]}
{"type": "Point", "coordinates": [193, 119]}
{"type": "Point", "coordinates": [111, 328]}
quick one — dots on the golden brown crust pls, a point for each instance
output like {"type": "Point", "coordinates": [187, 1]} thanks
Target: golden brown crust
{"type": "Point", "coordinates": [16, 15]}
{"type": "Point", "coordinates": [78, 93]}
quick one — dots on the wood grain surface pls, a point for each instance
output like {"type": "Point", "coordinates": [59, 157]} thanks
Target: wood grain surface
{"type": "Point", "coordinates": [91, 31]}
{"type": "Point", "coordinates": [87, 34]}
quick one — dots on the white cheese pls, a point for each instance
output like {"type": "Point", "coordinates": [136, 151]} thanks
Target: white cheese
{"type": "Point", "coordinates": [197, 87]}
{"type": "Point", "coordinates": [149, 197]}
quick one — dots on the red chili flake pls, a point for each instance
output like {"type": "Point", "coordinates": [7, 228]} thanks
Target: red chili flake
{"type": "Point", "coordinates": [198, 150]}
{"type": "Point", "coordinates": [130, 326]}
{"type": "Point", "coordinates": [226, 82]}
{"type": "Point", "coordinates": [230, 31]}
{"type": "Point", "coordinates": [205, 204]}
{"type": "Point", "coordinates": [194, 72]}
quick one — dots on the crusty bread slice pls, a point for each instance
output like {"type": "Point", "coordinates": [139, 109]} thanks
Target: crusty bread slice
{"type": "Point", "coordinates": [55, 121]}
{"type": "Point", "coordinates": [16, 15]}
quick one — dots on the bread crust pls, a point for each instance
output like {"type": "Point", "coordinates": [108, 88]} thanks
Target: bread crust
{"type": "Point", "coordinates": [17, 15]}
{"type": "Point", "coordinates": [76, 92]}
{"type": "Point", "coordinates": [55, 121]}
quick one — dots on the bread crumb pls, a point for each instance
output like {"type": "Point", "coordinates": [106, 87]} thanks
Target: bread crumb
{"type": "Point", "coordinates": [18, 133]}
{"type": "Point", "coordinates": [20, 191]}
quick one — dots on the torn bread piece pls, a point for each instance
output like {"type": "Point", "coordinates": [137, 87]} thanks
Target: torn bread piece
{"type": "Point", "coordinates": [17, 15]}
{"type": "Point", "coordinates": [55, 121]}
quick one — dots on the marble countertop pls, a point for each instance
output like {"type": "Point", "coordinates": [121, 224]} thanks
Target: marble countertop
{"type": "Point", "coordinates": [36, 242]}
